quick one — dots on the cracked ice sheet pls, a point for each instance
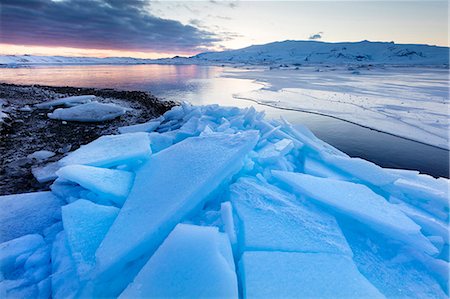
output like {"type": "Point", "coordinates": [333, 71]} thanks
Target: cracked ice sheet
{"type": "Point", "coordinates": [272, 219]}
{"type": "Point", "coordinates": [407, 102]}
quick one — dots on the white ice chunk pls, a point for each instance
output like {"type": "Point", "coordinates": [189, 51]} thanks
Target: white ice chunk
{"type": "Point", "coordinates": [302, 275]}
{"type": "Point", "coordinates": [193, 262]}
{"type": "Point", "coordinates": [145, 127]}
{"type": "Point", "coordinates": [41, 155]}
{"type": "Point", "coordinates": [106, 183]}
{"type": "Point", "coordinates": [67, 102]}
{"type": "Point", "coordinates": [313, 167]}
{"type": "Point", "coordinates": [361, 169]}
{"type": "Point", "coordinates": [46, 173]}
{"type": "Point", "coordinates": [111, 150]}
{"type": "Point", "coordinates": [89, 112]}
{"type": "Point", "coordinates": [27, 213]}
{"type": "Point", "coordinates": [358, 202]}
{"type": "Point", "coordinates": [274, 220]}
{"type": "Point", "coordinates": [169, 186]}
{"type": "Point", "coordinates": [85, 225]}
{"type": "Point", "coordinates": [273, 151]}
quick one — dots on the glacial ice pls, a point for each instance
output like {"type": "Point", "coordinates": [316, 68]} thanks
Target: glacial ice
{"type": "Point", "coordinates": [171, 185]}
{"type": "Point", "coordinates": [86, 224]}
{"type": "Point", "coordinates": [274, 220]}
{"type": "Point", "coordinates": [145, 127]}
{"type": "Point", "coordinates": [274, 274]}
{"type": "Point", "coordinates": [41, 155]}
{"type": "Point", "coordinates": [66, 102]}
{"type": "Point", "coordinates": [358, 202]}
{"type": "Point", "coordinates": [27, 213]}
{"type": "Point", "coordinates": [89, 112]}
{"type": "Point", "coordinates": [107, 183]}
{"type": "Point", "coordinates": [111, 150]}
{"type": "Point", "coordinates": [219, 199]}
{"type": "Point", "coordinates": [192, 262]}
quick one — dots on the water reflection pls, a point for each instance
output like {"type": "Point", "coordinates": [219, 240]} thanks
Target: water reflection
{"type": "Point", "coordinates": [203, 85]}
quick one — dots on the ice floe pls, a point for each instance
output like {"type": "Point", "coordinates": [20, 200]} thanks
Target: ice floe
{"type": "Point", "coordinates": [88, 112]}
{"type": "Point", "coordinates": [215, 201]}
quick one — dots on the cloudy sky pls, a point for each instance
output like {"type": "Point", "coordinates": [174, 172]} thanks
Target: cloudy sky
{"type": "Point", "coordinates": [150, 28]}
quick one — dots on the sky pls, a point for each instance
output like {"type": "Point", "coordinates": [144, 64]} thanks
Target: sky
{"type": "Point", "coordinates": [153, 29]}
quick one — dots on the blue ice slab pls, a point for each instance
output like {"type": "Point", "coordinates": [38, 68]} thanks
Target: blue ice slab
{"type": "Point", "coordinates": [106, 183]}
{"type": "Point", "coordinates": [361, 169]}
{"type": "Point", "coordinates": [85, 225]}
{"type": "Point", "coordinates": [193, 262]}
{"type": "Point", "coordinates": [172, 184]}
{"type": "Point", "coordinates": [358, 202]}
{"type": "Point", "coordinates": [27, 213]}
{"type": "Point", "coordinates": [111, 150]}
{"type": "Point", "coordinates": [271, 219]}
{"type": "Point", "coordinates": [267, 274]}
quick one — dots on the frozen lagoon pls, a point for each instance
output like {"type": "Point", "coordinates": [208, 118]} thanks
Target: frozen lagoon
{"type": "Point", "coordinates": [224, 196]}
{"type": "Point", "coordinates": [202, 85]}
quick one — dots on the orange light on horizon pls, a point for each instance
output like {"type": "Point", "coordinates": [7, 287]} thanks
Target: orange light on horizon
{"type": "Point", "coordinates": [7, 49]}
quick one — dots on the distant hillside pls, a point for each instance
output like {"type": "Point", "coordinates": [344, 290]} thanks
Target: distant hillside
{"type": "Point", "coordinates": [12, 60]}
{"type": "Point", "coordinates": [314, 52]}
{"type": "Point", "coordinates": [286, 52]}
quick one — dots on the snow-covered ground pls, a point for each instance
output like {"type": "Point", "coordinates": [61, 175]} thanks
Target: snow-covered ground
{"type": "Point", "coordinates": [410, 102]}
{"type": "Point", "coordinates": [212, 201]}
{"type": "Point", "coordinates": [286, 52]}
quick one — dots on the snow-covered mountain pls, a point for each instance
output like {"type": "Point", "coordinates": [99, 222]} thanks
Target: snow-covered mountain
{"type": "Point", "coordinates": [20, 60]}
{"type": "Point", "coordinates": [314, 52]}
{"type": "Point", "coordinates": [285, 52]}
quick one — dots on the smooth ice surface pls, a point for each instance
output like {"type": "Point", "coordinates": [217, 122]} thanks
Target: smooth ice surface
{"type": "Point", "coordinates": [361, 169]}
{"type": "Point", "coordinates": [67, 102]}
{"type": "Point", "coordinates": [111, 150]}
{"type": "Point", "coordinates": [169, 186]}
{"type": "Point", "coordinates": [271, 219]}
{"type": "Point", "coordinates": [85, 225]}
{"type": "Point", "coordinates": [89, 112]}
{"type": "Point", "coordinates": [27, 213]}
{"type": "Point", "coordinates": [193, 262]}
{"type": "Point", "coordinates": [411, 103]}
{"type": "Point", "coordinates": [302, 275]}
{"type": "Point", "coordinates": [358, 202]}
{"type": "Point", "coordinates": [107, 183]}
{"type": "Point", "coordinates": [145, 127]}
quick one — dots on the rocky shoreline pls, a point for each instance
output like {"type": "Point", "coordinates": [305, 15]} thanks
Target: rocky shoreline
{"type": "Point", "coordinates": [26, 129]}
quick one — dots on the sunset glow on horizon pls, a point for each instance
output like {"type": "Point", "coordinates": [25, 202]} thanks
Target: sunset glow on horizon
{"type": "Point", "coordinates": [162, 29]}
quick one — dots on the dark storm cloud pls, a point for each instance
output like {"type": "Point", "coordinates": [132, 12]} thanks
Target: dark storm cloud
{"type": "Point", "coordinates": [96, 24]}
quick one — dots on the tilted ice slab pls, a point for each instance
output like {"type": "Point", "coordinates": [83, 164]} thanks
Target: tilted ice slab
{"type": "Point", "coordinates": [67, 102]}
{"type": "Point", "coordinates": [271, 219]}
{"type": "Point", "coordinates": [89, 112]}
{"type": "Point", "coordinates": [109, 184]}
{"type": "Point", "coordinates": [145, 127]}
{"type": "Point", "coordinates": [27, 213]}
{"type": "Point", "coordinates": [193, 262]}
{"type": "Point", "coordinates": [86, 224]}
{"type": "Point", "coordinates": [172, 184]}
{"type": "Point", "coordinates": [302, 275]}
{"type": "Point", "coordinates": [358, 202]}
{"type": "Point", "coordinates": [111, 150]}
